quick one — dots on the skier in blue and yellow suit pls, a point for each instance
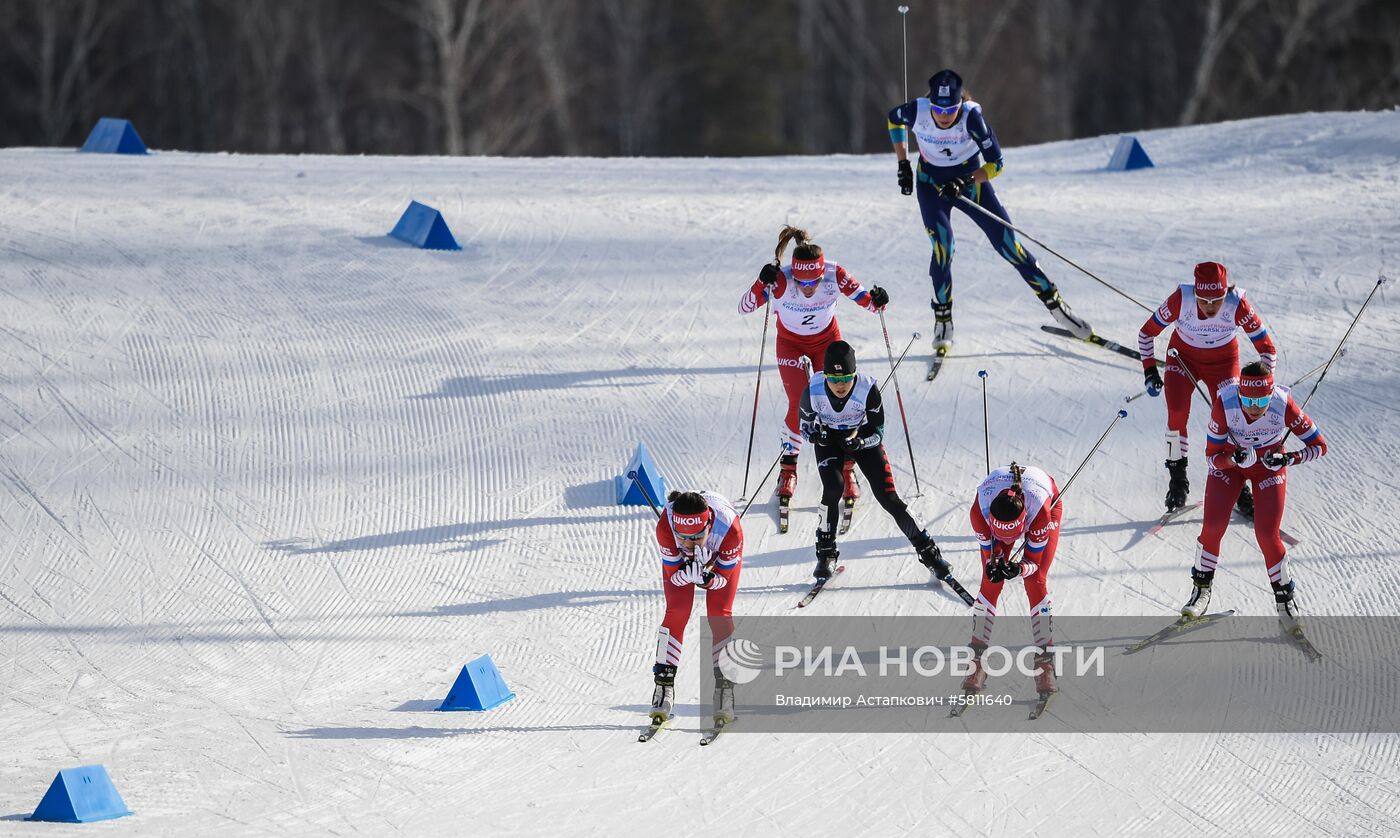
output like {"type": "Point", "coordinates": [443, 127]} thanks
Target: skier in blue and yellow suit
{"type": "Point", "coordinates": [953, 138]}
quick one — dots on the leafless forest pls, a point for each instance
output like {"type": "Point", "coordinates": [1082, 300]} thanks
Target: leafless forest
{"type": "Point", "coordinates": [653, 77]}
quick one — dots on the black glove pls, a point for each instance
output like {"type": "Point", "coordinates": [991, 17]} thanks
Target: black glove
{"type": "Point", "coordinates": [1245, 457]}
{"type": "Point", "coordinates": [769, 274]}
{"type": "Point", "coordinates": [1275, 460]}
{"type": "Point", "coordinates": [952, 189]}
{"type": "Point", "coordinates": [851, 444]}
{"type": "Point", "coordinates": [906, 178]}
{"type": "Point", "coordinates": [1152, 380]}
{"type": "Point", "coordinates": [1004, 571]}
{"type": "Point", "coordinates": [819, 434]}
{"type": "Point", "coordinates": [879, 296]}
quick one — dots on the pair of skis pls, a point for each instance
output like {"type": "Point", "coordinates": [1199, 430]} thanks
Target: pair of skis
{"type": "Point", "coordinates": [706, 737]}
{"type": "Point", "coordinates": [820, 585]}
{"type": "Point", "coordinates": [1178, 513]}
{"type": "Point", "coordinates": [1188, 624]}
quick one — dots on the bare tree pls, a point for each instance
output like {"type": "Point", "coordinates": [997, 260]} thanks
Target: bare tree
{"type": "Point", "coordinates": [55, 41]}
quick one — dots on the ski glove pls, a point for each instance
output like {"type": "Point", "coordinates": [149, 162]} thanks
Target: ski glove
{"type": "Point", "coordinates": [953, 188]}
{"type": "Point", "coordinates": [769, 274]}
{"type": "Point", "coordinates": [1006, 571]}
{"type": "Point", "coordinates": [879, 297]}
{"type": "Point", "coordinates": [1275, 460]}
{"type": "Point", "coordinates": [851, 444]}
{"type": "Point", "coordinates": [906, 178]}
{"type": "Point", "coordinates": [1152, 380]}
{"type": "Point", "coordinates": [690, 573]}
{"type": "Point", "coordinates": [1245, 457]}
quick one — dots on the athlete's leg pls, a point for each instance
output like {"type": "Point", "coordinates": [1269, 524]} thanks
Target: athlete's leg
{"type": "Point", "coordinates": [1005, 241]}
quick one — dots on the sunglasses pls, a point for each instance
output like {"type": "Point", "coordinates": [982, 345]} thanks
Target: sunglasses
{"type": "Point", "coordinates": [1212, 300]}
{"type": "Point", "coordinates": [700, 536]}
{"type": "Point", "coordinates": [841, 379]}
{"type": "Point", "coordinates": [806, 283]}
{"type": "Point", "coordinates": [1257, 404]}
{"type": "Point", "coordinates": [942, 111]}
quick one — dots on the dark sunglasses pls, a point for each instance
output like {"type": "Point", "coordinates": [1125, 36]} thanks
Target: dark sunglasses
{"type": "Point", "coordinates": [942, 111]}
{"type": "Point", "coordinates": [841, 379]}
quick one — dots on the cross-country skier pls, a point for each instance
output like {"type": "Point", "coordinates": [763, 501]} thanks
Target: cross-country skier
{"type": "Point", "coordinates": [1207, 313]}
{"type": "Point", "coordinates": [702, 546]}
{"type": "Point", "coordinates": [1248, 423]}
{"type": "Point", "coordinates": [1010, 503]}
{"type": "Point", "coordinates": [804, 294]}
{"type": "Point", "coordinates": [844, 417]}
{"type": "Point", "coordinates": [954, 138]}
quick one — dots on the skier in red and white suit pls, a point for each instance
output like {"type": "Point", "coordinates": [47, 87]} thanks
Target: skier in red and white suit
{"type": "Point", "coordinates": [1248, 424]}
{"type": "Point", "coordinates": [1011, 502]}
{"type": "Point", "coordinates": [804, 294]}
{"type": "Point", "coordinates": [1207, 313]}
{"type": "Point", "coordinates": [702, 546]}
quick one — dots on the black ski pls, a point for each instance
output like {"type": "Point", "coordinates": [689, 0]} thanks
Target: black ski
{"type": "Point", "coordinates": [1040, 705]}
{"type": "Point", "coordinates": [1097, 341]}
{"type": "Point", "coordinates": [1302, 642]}
{"type": "Point", "coordinates": [819, 586]}
{"type": "Point", "coordinates": [956, 587]}
{"type": "Point", "coordinates": [713, 733]}
{"type": "Point", "coordinates": [784, 508]}
{"type": "Point", "coordinates": [1171, 516]}
{"type": "Point", "coordinates": [935, 364]}
{"type": "Point", "coordinates": [848, 508]}
{"type": "Point", "coordinates": [652, 729]}
{"type": "Point", "coordinates": [1181, 626]}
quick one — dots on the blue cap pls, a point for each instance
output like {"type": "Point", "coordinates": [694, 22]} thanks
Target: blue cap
{"type": "Point", "coordinates": [945, 88]}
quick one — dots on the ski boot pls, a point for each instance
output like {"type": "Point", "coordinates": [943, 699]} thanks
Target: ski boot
{"type": "Point", "coordinates": [1067, 319]}
{"type": "Point", "coordinates": [787, 476]}
{"type": "Point", "coordinates": [932, 558]}
{"type": "Point", "coordinates": [1200, 594]}
{"type": "Point", "coordinates": [1045, 674]}
{"type": "Point", "coordinates": [1244, 504]}
{"type": "Point", "coordinates": [665, 693]}
{"type": "Point", "coordinates": [1178, 486]}
{"type": "Point", "coordinates": [724, 699]}
{"type": "Point", "coordinates": [942, 328]}
{"type": "Point", "coordinates": [976, 680]}
{"type": "Point", "coordinates": [848, 474]}
{"type": "Point", "coordinates": [827, 554]}
{"type": "Point", "coordinates": [1288, 614]}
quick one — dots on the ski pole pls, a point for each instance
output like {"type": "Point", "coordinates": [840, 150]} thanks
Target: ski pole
{"type": "Point", "coordinates": [760, 483]}
{"type": "Point", "coordinates": [758, 383]}
{"type": "Point", "coordinates": [1337, 352]}
{"type": "Point", "coordinates": [632, 475]}
{"type": "Point", "coordinates": [904, 28]}
{"type": "Point", "coordinates": [899, 397]}
{"type": "Point", "coordinates": [1055, 501]}
{"type": "Point", "coordinates": [900, 360]}
{"type": "Point", "coordinates": [986, 435]}
{"type": "Point", "coordinates": [1008, 225]}
{"type": "Point", "coordinates": [1172, 353]}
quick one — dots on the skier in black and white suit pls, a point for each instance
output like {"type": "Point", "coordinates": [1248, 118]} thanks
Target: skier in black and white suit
{"type": "Point", "coordinates": [843, 416]}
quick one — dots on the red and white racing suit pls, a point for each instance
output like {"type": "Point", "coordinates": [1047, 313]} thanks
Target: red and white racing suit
{"type": "Point", "coordinates": [722, 552]}
{"type": "Point", "coordinates": [806, 326]}
{"type": "Point", "coordinates": [1206, 345]}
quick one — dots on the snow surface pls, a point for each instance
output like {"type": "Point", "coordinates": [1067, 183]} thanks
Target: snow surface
{"type": "Point", "coordinates": [270, 479]}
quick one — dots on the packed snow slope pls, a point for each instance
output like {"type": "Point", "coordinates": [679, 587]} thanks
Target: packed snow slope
{"type": "Point", "coordinates": [270, 479]}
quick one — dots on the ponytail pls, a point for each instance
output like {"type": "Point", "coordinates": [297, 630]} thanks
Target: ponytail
{"type": "Point", "coordinates": [806, 249]}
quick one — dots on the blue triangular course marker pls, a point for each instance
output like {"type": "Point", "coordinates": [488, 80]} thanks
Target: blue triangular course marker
{"type": "Point", "coordinates": [479, 687]}
{"type": "Point", "coordinates": [114, 136]}
{"type": "Point", "coordinates": [422, 226]}
{"type": "Point", "coordinates": [1129, 155]}
{"type": "Point", "coordinates": [647, 474]}
{"type": "Point", "coordinates": [81, 795]}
